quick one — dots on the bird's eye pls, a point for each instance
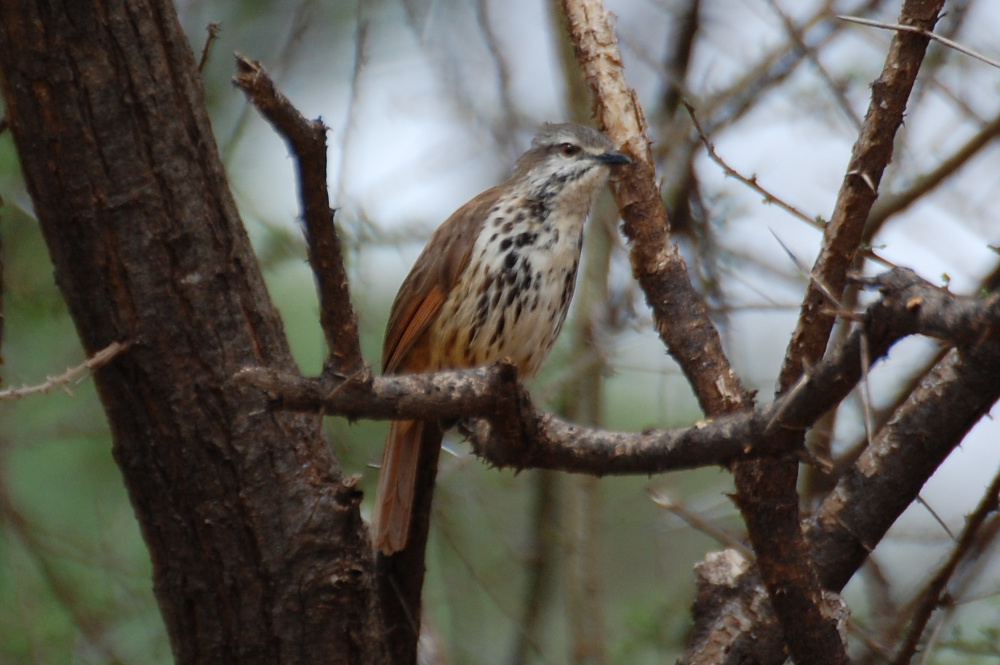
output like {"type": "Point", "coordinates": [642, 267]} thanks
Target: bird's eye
{"type": "Point", "coordinates": [569, 149]}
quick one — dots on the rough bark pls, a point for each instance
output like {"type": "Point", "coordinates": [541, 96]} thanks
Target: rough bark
{"type": "Point", "coordinates": [259, 552]}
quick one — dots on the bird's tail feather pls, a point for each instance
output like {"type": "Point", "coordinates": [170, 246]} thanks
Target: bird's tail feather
{"type": "Point", "coordinates": [397, 486]}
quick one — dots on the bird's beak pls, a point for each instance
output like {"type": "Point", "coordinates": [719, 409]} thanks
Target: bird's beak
{"type": "Point", "coordinates": [613, 158]}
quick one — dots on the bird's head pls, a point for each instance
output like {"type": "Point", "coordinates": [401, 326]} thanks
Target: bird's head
{"type": "Point", "coordinates": [567, 161]}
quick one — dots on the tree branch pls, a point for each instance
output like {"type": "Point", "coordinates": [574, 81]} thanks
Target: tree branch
{"type": "Point", "coordinates": [306, 140]}
{"type": "Point", "coordinates": [931, 597]}
{"type": "Point", "coordinates": [99, 359]}
{"type": "Point", "coordinates": [679, 312]}
{"type": "Point", "coordinates": [767, 491]}
{"type": "Point", "coordinates": [512, 432]}
{"type": "Point", "coordinates": [872, 153]}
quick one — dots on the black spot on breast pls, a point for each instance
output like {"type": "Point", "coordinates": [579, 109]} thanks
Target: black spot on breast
{"type": "Point", "coordinates": [499, 330]}
{"type": "Point", "coordinates": [505, 243]}
{"type": "Point", "coordinates": [540, 209]}
{"type": "Point", "coordinates": [510, 260]}
{"type": "Point", "coordinates": [524, 276]}
{"type": "Point", "coordinates": [526, 238]}
{"type": "Point", "coordinates": [507, 227]}
{"type": "Point", "coordinates": [483, 308]}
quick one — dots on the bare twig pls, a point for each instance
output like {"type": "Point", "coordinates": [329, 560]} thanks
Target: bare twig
{"type": "Point", "coordinates": [213, 33]}
{"type": "Point", "coordinates": [917, 30]}
{"type": "Point", "coordinates": [679, 312]}
{"type": "Point", "coordinates": [890, 204]}
{"type": "Point", "coordinates": [679, 58]}
{"type": "Point", "coordinates": [767, 491]}
{"type": "Point", "coordinates": [732, 102]}
{"type": "Point", "coordinates": [751, 181]}
{"type": "Point", "coordinates": [508, 110]}
{"type": "Point", "coordinates": [836, 89]}
{"type": "Point", "coordinates": [823, 288]}
{"type": "Point", "coordinates": [307, 141]}
{"type": "Point", "coordinates": [93, 633]}
{"type": "Point", "coordinates": [99, 359]}
{"type": "Point", "coordinates": [700, 524]}
{"type": "Point", "coordinates": [352, 108]}
{"type": "Point", "coordinates": [931, 596]}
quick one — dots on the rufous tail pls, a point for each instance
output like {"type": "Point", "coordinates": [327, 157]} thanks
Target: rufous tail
{"type": "Point", "coordinates": [397, 486]}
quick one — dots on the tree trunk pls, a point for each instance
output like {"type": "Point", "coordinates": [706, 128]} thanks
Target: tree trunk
{"type": "Point", "coordinates": [258, 548]}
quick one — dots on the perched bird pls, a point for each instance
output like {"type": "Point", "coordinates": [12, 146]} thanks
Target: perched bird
{"type": "Point", "coordinates": [494, 282]}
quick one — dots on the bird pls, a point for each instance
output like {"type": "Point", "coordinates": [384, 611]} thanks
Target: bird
{"type": "Point", "coordinates": [494, 282]}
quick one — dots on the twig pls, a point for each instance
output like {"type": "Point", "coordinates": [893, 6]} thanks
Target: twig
{"type": "Point", "coordinates": [734, 100]}
{"type": "Point", "coordinates": [920, 31]}
{"type": "Point", "coordinates": [306, 140]}
{"type": "Point", "coordinates": [934, 515]}
{"type": "Point", "coordinates": [99, 359]}
{"type": "Point", "coordinates": [213, 33]}
{"type": "Point", "coordinates": [750, 182]}
{"type": "Point", "coordinates": [508, 110]}
{"type": "Point", "coordinates": [767, 493]}
{"type": "Point", "coordinates": [361, 27]}
{"type": "Point", "coordinates": [824, 289]}
{"type": "Point", "coordinates": [810, 52]}
{"type": "Point", "coordinates": [679, 58]}
{"type": "Point", "coordinates": [931, 596]}
{"type": "Point", "coordinates": [699, 524]}
{"type": "Point", "coordinates": [866, 390]}
{"type": "Point", "coordinates": [890, 204]}
{"type": "Point", "coordinates": [95, 634]}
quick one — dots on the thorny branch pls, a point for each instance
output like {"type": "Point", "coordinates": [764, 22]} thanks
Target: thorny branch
{"type": "Point", "coordinates": [307, 141]}
{"type": "Point", "coordinates": [682, 321]}
{"type": "Point", "coordinates": [99, 359]}
{"type": "Point", "coordinates": [931, 597]}
{"type": "Point", "coordinates": [512, 432]}
{"type": "Point", "coordinates": [925, 33]}
{"type": "Point", "coordinates": [767, 491]}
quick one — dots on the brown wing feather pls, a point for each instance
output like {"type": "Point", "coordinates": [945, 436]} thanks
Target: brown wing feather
{"type": "Point", "coordinates": [431, 279]}
{"type": "Point", "coordinates": [418, 319]}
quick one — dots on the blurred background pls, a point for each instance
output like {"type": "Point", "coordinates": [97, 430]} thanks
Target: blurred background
{"type": "Point", "coordinates": [429, 102]}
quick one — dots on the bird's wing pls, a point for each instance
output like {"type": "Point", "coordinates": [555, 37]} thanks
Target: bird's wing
{"type": "Point", "coordinates": [431, 279]}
